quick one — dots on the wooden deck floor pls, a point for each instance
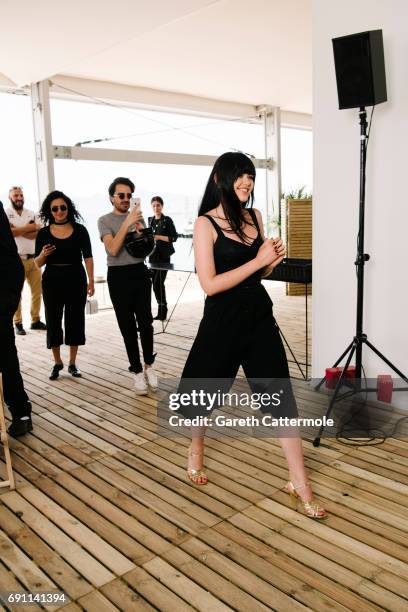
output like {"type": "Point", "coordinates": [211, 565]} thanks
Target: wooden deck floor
{"type": "Point", "coordinates": [104, 512]}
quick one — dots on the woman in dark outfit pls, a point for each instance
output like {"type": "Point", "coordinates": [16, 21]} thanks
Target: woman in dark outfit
{"type": "Point", "coordinates": [62, 244]}
{"type": "Point", "coordinates": [164, 234]}
{"type": "Point", "coordinates": [238, 327]}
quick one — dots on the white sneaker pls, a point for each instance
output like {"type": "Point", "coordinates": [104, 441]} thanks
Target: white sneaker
{"type": "Point", "coordinates": [139, 384]}
{"type": "Point", "coordinates": [151, 378]}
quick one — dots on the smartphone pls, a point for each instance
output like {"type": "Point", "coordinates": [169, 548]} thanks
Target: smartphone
{"type": "Point", "coordinates": [136, 203]}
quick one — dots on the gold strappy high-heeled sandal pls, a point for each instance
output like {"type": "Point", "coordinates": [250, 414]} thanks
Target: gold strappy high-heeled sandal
{"type": "Point", "coordinates": [311, 508]}
{"type": "Point", "coordinates": [198, 477]}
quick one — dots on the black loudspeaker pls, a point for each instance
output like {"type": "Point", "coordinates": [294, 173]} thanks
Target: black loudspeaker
{"type": "Point", "coordinates": [360, 70]}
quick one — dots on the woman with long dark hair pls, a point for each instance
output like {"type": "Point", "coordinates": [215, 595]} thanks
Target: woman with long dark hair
{"type": "Point", "coordinates": [238, 327]}
{"type": "Point", "coordinates": [62, 244]}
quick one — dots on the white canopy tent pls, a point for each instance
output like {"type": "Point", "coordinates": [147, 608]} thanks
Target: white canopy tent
{"type": "Point", "coordinates": [221, 58]}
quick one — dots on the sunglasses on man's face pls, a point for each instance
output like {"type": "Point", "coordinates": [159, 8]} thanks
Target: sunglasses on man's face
{"type": "Point", "coordinates": [62, 208]}
{"type": "Point", "coordinates": [123, 196]}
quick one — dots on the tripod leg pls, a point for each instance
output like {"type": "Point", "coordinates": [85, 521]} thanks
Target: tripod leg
{"type": "Point", "coordinates": [316, 441]}
{"type": "Point", "coordinates": [335, 365]}
{"type": "Point", "coordinates": [387, 361]}
{"type": "Point", "coordinates": [291, 352]}
{"type": "Point", "coordinates": [177, 301]}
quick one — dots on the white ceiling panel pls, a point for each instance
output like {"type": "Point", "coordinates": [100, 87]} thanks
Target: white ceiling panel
{"type": "Point", "coordinates": [40, 38]}
{"type": "Point", "coordinates": [256, 52]}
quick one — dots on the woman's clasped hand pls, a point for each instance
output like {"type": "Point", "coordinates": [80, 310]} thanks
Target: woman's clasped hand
{"type": "Point", "coordinates": [271, 252]}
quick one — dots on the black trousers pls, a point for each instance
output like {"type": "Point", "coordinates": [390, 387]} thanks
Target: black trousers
{"type": "Point", "coordinates": [64, 295]}
{"type": "Point", "coordinates": [130, 292]}
{"type": "Point", "coordinates": [13, 387]}
{"type": "Point", "coordinates": [238, 329]}
{"type": "Point", "coordinates": [158, 279]}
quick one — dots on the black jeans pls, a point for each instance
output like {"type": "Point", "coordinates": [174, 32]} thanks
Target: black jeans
{"type": "Point", "coordinates": [13, 387]}
{"type": "Point", "coordinates": [130, 292]}
{"type": "Point", "coordinates": [158, 279]}
{"type": "Point", "coordinates": [64, 293]}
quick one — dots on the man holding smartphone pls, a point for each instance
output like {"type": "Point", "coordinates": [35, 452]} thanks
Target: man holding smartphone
{"type": "Point", "coordinates": [25, 225]}
{"type": "Point", "coordinates": [129, 283]}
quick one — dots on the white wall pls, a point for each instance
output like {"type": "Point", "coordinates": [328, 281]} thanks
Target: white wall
{"type": "Point", "coordinates": [335, 192]}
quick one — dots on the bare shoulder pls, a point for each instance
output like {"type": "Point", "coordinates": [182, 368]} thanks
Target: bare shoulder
{"type": "Point", "coordinates": [201, 223]}
{"type": "Point", "coordinates": [204, 228]}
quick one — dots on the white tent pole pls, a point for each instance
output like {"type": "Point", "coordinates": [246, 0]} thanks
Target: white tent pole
{"type": "Point", "coordinates": [277, 167]}
{"type": "Point", "coordinates": [44, 154]}
{"type": "Point", "coordinates": [267, 135]}
{"type": "Point", "coordinates": [272, 152]}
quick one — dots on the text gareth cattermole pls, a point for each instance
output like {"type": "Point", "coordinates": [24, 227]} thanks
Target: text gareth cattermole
{"type": "Point", "coordinates": [209, 400]}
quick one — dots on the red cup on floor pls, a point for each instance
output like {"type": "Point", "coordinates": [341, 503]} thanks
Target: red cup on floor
{"type": "Point", "coordinates": [384, 388]}
{"type": "Point", "coordinates": [332, 376]}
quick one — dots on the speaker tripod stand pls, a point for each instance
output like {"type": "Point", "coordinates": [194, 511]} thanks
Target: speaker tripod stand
{"type": "Point", "coordinates": [360, 338]}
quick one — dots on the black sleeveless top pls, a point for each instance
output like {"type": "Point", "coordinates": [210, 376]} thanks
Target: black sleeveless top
{"type": "Point", "coordinates": [230, 254]}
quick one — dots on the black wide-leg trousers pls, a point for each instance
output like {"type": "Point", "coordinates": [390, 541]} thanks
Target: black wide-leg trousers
{"type": "Point", "coordinates": [64, 295]}
{"type": "Point", "coordinates": [238, 329]}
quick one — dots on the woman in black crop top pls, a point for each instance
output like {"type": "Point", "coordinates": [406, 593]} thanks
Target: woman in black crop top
{"type": "Point", "coordinates": [238, 327]}
{"type": "Point", "coordinates": [62, 245]}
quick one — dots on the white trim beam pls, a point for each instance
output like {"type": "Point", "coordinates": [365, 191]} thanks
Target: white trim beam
{"type": "Point", "coordinates": [151, 99]}
{"type": "Point", "coordinates": [141, 157]}
{"type": "Point", "coordinates": [296, 121]}
{"type": "Point", "coordinates": [88, 90]}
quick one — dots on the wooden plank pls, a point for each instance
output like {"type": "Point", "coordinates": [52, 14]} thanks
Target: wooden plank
{"type": "Point", "coordinates": [142, 539]}
{"type": "Point", "coordinates": [329, 560]}
{"type": "Point", "coordinates": [79, 532]}
{"type": "Point", "coordinates": [183, 586]}
{"type": "Point", "coordinates": [197, 570]}
{"type": "Point", "coordinates": [160, 491]}
{"type": "Point", "coordinates": [147, 516]}
{"type": "Point", "coordinates": [98, 524]}
{"type": "Point", "coordinates": [274, 565]}
{"type": "Point", "coordinates": [172, 513]}
{"type": "Point", "coordinates": [155, 592]}
{"type": "Point", "coordinates": [342, 541]}
{"type": "Point", "coordinates": [175, 478]}
{"type": "Point", "coordinates": [9, 583]}
{"type": "Point", "coordinates": [96, 601]}
{"type": "Point", "coordinates": [27, 572]}
{"type": "Point", "coordinates": [62, 574]}
{"type": "Point", "coordinates": [124, 597]}
{"type": "Point", "coordinates": [69, 550]}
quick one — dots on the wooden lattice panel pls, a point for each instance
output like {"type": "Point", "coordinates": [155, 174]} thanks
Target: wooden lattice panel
{"type": "Point", "coordinates": [298, 217]}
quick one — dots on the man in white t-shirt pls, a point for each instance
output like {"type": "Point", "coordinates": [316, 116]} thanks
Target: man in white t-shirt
{"type": "Point", "coordinates": [24, 225]}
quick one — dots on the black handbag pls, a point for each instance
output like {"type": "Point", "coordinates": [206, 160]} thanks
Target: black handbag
{"type": "Point", "coordinates": [140, 244]}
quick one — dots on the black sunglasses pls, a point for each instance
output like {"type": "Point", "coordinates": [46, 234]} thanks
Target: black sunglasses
{"type": "Point", "coordinates": [62, 208]}
{"type": "Point", "coordinates": [123, 196]}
